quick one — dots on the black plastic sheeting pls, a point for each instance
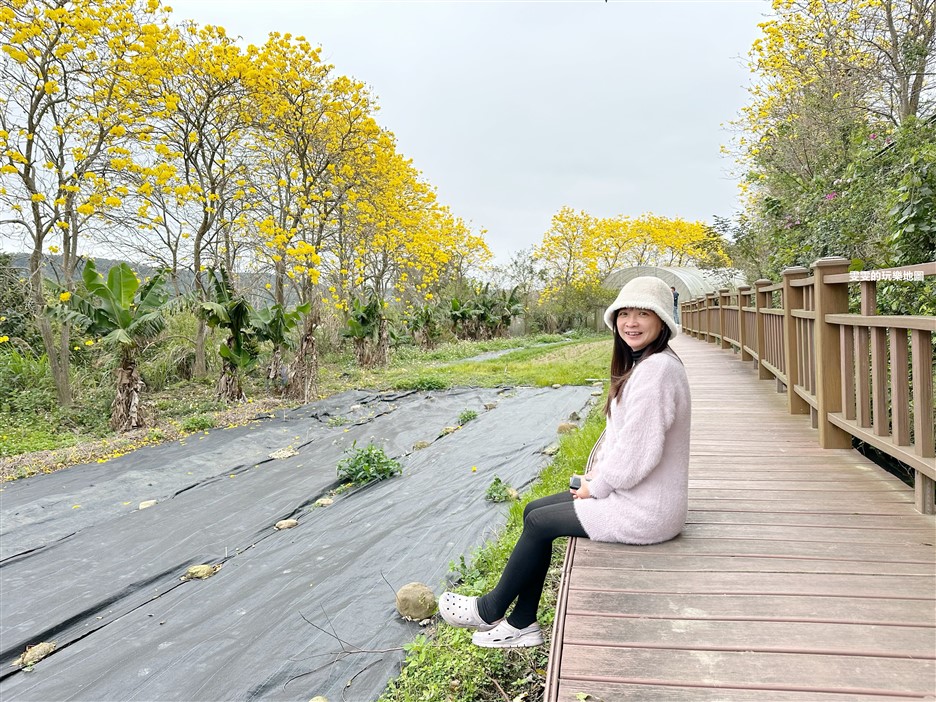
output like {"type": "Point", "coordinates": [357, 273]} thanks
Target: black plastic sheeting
{"type": "Point", "coordinates": [82, 566]}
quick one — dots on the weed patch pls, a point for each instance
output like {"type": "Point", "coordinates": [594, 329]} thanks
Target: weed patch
{"type": "Point", "coordinates": [364, 465]}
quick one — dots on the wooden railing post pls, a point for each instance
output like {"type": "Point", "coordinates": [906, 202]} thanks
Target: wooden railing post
{"type": "Point", "coordinates": [792, 300]}
{"type": "Point", "coordinates": [830, 299]}
{"type": "Point", "coordinates": [743, 292]}
{"type": "Point", "coordinates": [722, 322]}
{"type": "Point", "coordinates": [709, 306]}
{"type": "Point", "coordinates": [921, 346]}
{"type": "Point", "coordinates": [761, 299]}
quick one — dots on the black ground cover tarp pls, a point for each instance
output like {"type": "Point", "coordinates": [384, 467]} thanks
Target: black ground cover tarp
{"type": "Point", "coordinates": [82, 566]}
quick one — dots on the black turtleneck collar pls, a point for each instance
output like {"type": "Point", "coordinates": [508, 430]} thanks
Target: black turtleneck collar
{"type": "Point", "coordinates": [637, 355]}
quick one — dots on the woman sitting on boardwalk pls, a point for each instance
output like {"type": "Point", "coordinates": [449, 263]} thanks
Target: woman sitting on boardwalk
{"type": "Point", "coordinates": [635, 490]}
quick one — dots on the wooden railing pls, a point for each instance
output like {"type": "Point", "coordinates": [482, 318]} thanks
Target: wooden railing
{"type": "Point", "coordinates": [857, 375]}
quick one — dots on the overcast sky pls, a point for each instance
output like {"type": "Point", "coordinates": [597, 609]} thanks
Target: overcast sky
{"type": "Point", "coordinates": [513, 110]}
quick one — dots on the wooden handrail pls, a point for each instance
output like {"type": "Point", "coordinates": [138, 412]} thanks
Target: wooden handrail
{"type": "Point", "coordinates": [864, 375]}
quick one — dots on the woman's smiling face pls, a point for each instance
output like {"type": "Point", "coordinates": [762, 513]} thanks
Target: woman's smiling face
{"type": "Point", "coordinates": [638, 327]}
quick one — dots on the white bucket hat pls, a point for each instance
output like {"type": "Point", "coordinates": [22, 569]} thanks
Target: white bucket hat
{"type": "Point", "coordinates": [645, 293]}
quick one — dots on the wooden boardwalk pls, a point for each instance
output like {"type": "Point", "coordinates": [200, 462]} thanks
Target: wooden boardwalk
{"type": "Point", "coordinates": [803, 573]}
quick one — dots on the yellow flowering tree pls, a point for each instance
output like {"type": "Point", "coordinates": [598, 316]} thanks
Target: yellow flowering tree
{"type": "Point", "coordinates": [580, 251]}
{"type": "Point", "coordinates": [312, 131]}
{"type": "Point", "coordinates": [834, 83]}
{"type": "Point", "coordinates": [73, 74]}
{"type": "Point", "coordinates": [185, 202]}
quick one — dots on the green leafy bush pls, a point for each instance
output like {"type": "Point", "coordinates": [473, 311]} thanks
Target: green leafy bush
{"type": "Point", "coordinates": [466, 416]}
{"type": "Point", "coordinates": [26, 382]}
{"type": "Point", "coordinates": [499, 491]}
{"type": "Point", "coordinates": [367, 464]}
{"type": "Point", "coordinates": [197, 422]}
{"type": "Point", "coordinates": [422, 382]}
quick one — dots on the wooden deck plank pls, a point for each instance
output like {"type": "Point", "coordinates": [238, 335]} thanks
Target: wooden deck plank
{"type": "Point", "coordinates": [744, 546]}
{"type": "Point", "coordinates": [802, 574]}
{"type": "Point", "coordinates": [754, 607]}
{"type": "Point", "coordinates": [851, 506]}
{"type": "Point", "coordinates": [789, 532]}
{"type": "Point", "coordinates": [701, 582]}
{"type": "Point", "coordinates": [782, 637]}
{"type": "Point", "coordinates": [750, 669]}
{"type": "Point", "coordinates": [573, 690]}
{"type": "Point", "coordinates": [832, 522]}
{"type": "Point", "coordinates": [755, 564]}
{"type": "Point", "coordinates": [801, 485]}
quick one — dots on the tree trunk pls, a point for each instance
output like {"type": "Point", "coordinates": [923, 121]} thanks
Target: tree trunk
{"type": "Point", "coordinates": [127, 409]}
{"type": "Point", "coordinates": [360, 352]}
{"type": "Point", "coordinates": [275, 373]}
{"type": "Point", "coordinates": [382, 355]}
{"type": "Point", "coordinates": [58, 362]}
{"type": "Point", "coordinates": [201, 365]}
{"type": "Point", "coordinates": [229, 385]}
{"type": "Point", "coordinates": [303, 376]}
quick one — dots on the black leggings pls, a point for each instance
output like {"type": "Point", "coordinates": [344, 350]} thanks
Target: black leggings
{"type": "Point", "coordinates": [544, 520]}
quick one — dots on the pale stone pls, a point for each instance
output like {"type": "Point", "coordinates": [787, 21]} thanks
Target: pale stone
{"type": "Point", "coordinates": [286, 452]}
{"type": "Point", "coordinates": [566, 428]}
{"type": "Point", "coordinates": [415, 602]}
{"type": "Point", "coordinates": [147, 503]}
{"type": "Point", "coordinates": [286, 524]}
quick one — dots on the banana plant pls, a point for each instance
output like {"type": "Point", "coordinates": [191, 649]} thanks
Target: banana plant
{"type": "Point", "coordinates": [367, 328]}
{"type": "Point", "coordinates": [122, 314]}
{"type": "Point", "coordinates": [230, 311]}
{"type": "Point", "coordinates": [424, 324]}
{"type": "Point", "coordinates": [275, 324]}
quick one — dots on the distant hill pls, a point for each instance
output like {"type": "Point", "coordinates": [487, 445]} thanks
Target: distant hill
{"type": "Point", "coordinates": [253, 285]}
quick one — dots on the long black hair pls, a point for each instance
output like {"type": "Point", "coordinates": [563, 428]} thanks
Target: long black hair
{"type": "Point", "coordinates": [622, 360]}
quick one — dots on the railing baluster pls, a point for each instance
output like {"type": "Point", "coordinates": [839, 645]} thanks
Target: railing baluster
{"type": "Point", "coordinates": [761, 300]}
{"type": "Point", "coordinates": [900, 390]}
{"type": "Point", "coordinates": [847, 338]}
{"type": "Point", "coordinates": [921, 348]}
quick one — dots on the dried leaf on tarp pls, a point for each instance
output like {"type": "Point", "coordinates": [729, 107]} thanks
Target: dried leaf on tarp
{"type": "Point", "coordinates": [34, 654]}
{"type": "Point", "coordinates": [200, 572]}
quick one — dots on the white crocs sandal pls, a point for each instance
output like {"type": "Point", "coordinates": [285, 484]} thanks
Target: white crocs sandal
{"type": "Point", "coordinates": [506, 636]}
{"type": "Point", "coordinates": [462, 611]}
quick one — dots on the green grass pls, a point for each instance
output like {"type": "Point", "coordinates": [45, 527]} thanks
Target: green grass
{"type": "Point", "coordinates": [574, 363]}
{"type": "Point", "coordinates": [444, 665]}
{"type": "Point", "coordinates": [18, 437]}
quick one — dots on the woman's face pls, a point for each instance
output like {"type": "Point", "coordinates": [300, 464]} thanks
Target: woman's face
{"type": "Point", "coordinates": [638, 327]}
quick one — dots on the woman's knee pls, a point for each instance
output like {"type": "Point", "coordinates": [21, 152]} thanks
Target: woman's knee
{"type": "Point", "coordinates": [547, 501]}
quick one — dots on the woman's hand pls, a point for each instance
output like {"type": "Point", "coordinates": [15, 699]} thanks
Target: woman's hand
{"type": "Point", "coordinates": [582, 492]}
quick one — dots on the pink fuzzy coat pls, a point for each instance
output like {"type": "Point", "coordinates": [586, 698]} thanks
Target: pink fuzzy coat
{"type": "Point", "coordinates": [640, 468]}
